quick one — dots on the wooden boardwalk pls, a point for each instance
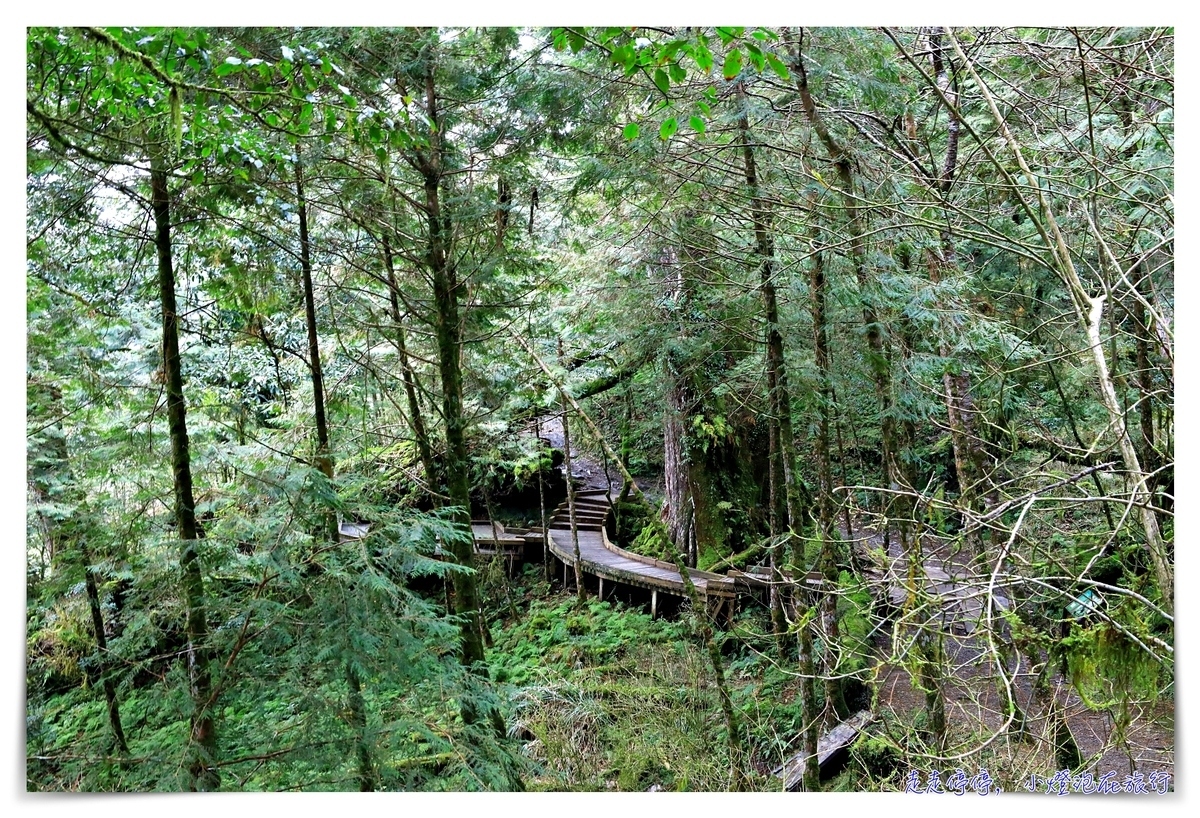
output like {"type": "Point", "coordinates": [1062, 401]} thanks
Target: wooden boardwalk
{"type": "Point", "coordinates": [607, 562]}
{"type": "Point", "coordinates": [598, 556]}
{"type": "Point", "coordinates": [955, 598]}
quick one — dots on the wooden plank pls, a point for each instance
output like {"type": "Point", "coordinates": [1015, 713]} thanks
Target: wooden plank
{"type": "Point", "coordinates": [353, 531]}
{"type": "Point", "coordinates": [841, 736]}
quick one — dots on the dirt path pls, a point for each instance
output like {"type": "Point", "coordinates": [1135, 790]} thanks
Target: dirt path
{"type": "Point", "coordinates": [973, 699]}
{"type": "Point", "coordinates": [587, 471]}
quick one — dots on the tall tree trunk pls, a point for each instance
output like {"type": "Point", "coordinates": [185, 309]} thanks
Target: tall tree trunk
{"type": "Point", "coordinates": [835, 704]}
{"type": "Point", "coordinates": [780, 407]}
{"type": "Point", "coordinates": [1151, 455]}
{"type": "Point", "coordinates": [898, 480]}
{"type": "Point", "coordinates": [202, 749]}
{"type": "Point", "coordinates": [448, 331]}
{"type": "Point", "coordinates": [877, 357]}
{"type": "Point", "coordinates": [448, 334]}
{"type": "Point", "coordinates": [579, 590]}
{"type": "Point", "coordinates": [688, 516]}
{"type": "Point", "coordinates": [323, 461]}
{"type": "Point", "coordinates": [408, 377]}
{"type": "Point", "coordinates": [324, 457]}
{"type": "Point", "coordinates": [960, 406]}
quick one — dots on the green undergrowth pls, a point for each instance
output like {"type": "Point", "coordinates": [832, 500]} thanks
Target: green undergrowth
{"type": "Point", "coordinates": [606, 698]}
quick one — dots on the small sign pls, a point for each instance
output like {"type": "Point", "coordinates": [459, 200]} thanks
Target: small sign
{"type": "Point", "coordinates": [1087, 602]}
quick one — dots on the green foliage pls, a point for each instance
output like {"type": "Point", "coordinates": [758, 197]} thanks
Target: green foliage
{"type": "Point", "coordinates": [557, 633]}
{"type": "Point", "coordinates": [1109, 669]}
{"type": "Point", "coordinates": [878, 758]}
{"type": "Point", "coordinates": [609, 699]}
{"type": "Point", "coordinates": [653, 541]}
{"type": "Point", "coordinates": [564, 216]}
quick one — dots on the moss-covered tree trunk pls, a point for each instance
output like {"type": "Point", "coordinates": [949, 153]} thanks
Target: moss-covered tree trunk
{"type": "Point", "coordinates": [835, 705]}
{"type": "Point", "coordinates": [785, 474]}
{"type": "Point", "coordinates": [202, 747]}
{"type": "Point", "coordinates": [416, 417]}
{"type": "Point", "coordinates": [567, 467]}
{"type": "Point", "coordinates": [448, 335]}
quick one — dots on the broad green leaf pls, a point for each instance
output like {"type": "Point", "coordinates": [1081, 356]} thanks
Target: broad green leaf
{"type": "Point", "coordinates": [662, 81]}
{"type": "Point", "coordinates": [733, 64]}
{"type": "Point", "coordinates": [729, 33]}
{"type": "Point", "coordinates": [697, 124]}
{"type": "Point", "coordinates": [668, 128]}
{"type": "Point", "coordinates": [631, 130]}
{"type": "Point", "coordinates": [755, 55]}
{"type": "Point", "coordinates": [623, 57]}
{"type": "Point", "coordinates": [778, 67]}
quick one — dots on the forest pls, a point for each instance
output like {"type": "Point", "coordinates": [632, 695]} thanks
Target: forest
{"type": "Point", "coordinates": [600, 409]}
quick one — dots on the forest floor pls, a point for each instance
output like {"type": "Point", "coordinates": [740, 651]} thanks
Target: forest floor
{"type": "Point", "coordinates": [974, 713]}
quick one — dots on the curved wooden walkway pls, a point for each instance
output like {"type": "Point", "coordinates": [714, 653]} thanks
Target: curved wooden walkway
{"type": "Point", "coordinates": [605, 561]}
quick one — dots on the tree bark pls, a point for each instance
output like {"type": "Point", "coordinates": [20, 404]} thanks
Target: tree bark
{"type": "Point", "coordinates": [324, 458]}
{"type": "Point", "coordinates": [202, 748]}
{"type": "Point", "coordinates": [408, 377]}
{"type": "Point", "coordinates": [835, 705]}
{"type": "Point", "coordinates": [579, 590]}
{"type": "Point", "coordinates": [687, 489]}
{"type": "Point", "coordinates": [780, 408]}
{"type": "Point", "coordinates": [960, 406]}
{"type": "Point", "coordinates": [877, 357]}
{"type": "Point", "coordinates": [323, 461]}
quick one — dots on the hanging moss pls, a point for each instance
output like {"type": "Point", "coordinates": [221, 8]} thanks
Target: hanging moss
{"type": "Point", "coordinates": [1108, 669]}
